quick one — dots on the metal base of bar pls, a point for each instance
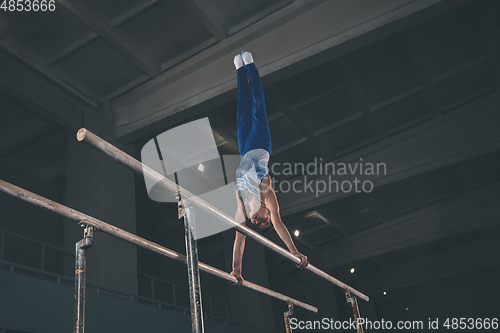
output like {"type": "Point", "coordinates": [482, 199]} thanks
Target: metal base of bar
{"type": "Point", "coordinates": [355, 309]}
{"type": "Point", "coordinates": [286, 316]}
{"type": "Point", "coordinates": [118, 155]}
{"type": "Point", "coordinates": [75, 215]}
{"type": "Point", "coordinates": [80, 277]}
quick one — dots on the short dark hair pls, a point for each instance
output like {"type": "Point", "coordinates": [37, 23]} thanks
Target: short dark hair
{"type": "Point", "coordinates": [270, 226]}
{"type": "Point", "coordinates": [267, 228]}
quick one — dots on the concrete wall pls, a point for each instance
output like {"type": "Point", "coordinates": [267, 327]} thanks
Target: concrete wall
{"type": "Point", "coordinates": [104, 189]}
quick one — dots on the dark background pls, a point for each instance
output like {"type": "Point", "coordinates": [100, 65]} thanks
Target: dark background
{"type": "Point", "coordinates": [412, 84]}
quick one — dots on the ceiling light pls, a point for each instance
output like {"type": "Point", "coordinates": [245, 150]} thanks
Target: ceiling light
{"type": "Point", "coordinates": [296, 233]}
{"type": "Point", "coordinates": [201, 167]}
{"type": "Point", "coordinates": [385, 293]}
{"type": "Point", "coordinates": [352, 270]}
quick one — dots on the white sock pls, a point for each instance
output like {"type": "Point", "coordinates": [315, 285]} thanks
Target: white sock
{"type": "Point", "coordinates": [238, 61]}
{"type": "Point", "coordinates": [247, 58]}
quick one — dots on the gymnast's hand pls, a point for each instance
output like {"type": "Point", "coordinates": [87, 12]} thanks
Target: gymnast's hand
{"type": "Point", "coordinates": [237, 275]}
{"type": "Point", "coordinates": [303, 260]}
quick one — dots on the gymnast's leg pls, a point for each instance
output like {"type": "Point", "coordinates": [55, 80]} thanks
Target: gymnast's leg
{"type": "Point", "coordinates": [261, 133]}
{"type": "Point", "coordinates": [244, 114]}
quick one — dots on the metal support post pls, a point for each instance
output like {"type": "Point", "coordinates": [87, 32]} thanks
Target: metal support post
{"type": "Point", "coordinates": [355, 309]}
{"type": "Point", "coordinates": [193, 271]}
{"type": "Point", "coordinates": [80, 276]}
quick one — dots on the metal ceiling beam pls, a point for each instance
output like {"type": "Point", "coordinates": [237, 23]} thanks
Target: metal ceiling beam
{"type": "Point", "coordinates": [68, 83]}
{"type": "Point", "coordinates": [443, 138]}
{"type": "Point", "coordinates": [219, 140]}
{"type": "Point", "coordinates": [321, 227]}
{"type": "Point", "coordinates": [164, 230]}
{"type": "Point", "coordinates": [464, 180]}
{"type": "Point", "coordinates": [415, 188]}
{"type": "Point", "coordinates": [425, 78]}
{"type": "Point", "coordinates": [289, 279]}
{"type": "Point", "coordinates": [317, 97]}
{"type": "Point", "coordinates": [330, 220]}
{"type": "Point", "coordinates": [72, 48]}
{"type": "Point", "coordinates": [98, 23]}
{"type": "Point", "coordinates": [310, 231]}
{"type": "Point", "coordinates": [207, 79]}
{"type": "Point", "coordinates": [396, 98]}
{"type": "Point", "coordinates": [187, 67]}
{"type": "Point", "coordinates": [358, 95]}
{"type": "Point", "coordinates": [40, 94]}
{"type": "Point", "coordinates": [274, 238]}
{"type": "Point", "coordinates": [188, 54]}
{"type": "Point", "coordinates": [20, 138]}
{"type": "Point", "coordinates": [422, 71]}
{"type": "Point", "coordinates": [263, 14]}
{"type": "Point", "coordinates": [134, 83]}
{"type": "Point", "coordinates": [373, 206]}
{"type": "Point", "coordinates": [208, 18]}
{"type": "Point", "coordinates": [335, 225]}
{"type": "Point", "coordinates": [216, 125]}
{"type": "Point", "coordinates": [17, 113]}
{"type": "Point", "coordinates": [457, 70]}
{"type": "Point", "coordinates": [132, 12]}
{"type": "Point", "coordinates": [307, 244]}
{"type": "Point", "coordinates": [382, 263]}
{"type": "Point", "coordinates": [338, 124]}
{"type": "Point", "coordinates": [63, 145]}
{"type": "Point", "coordinates": [460, 215]}
{"type": "Point", "coordinates": [26, 168]}
{"type": "Point", "coordinates": [55, 172]}
{"type": "Point", "coordinates": [492, 39]}
{"type": "Point", "coordinates": [374, 108]}
{"type": "Point", "coordinates": [289, 146]}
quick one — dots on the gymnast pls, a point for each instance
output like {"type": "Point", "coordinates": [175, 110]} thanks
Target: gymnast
{"type": "Point", "coordinates": [256, 199]}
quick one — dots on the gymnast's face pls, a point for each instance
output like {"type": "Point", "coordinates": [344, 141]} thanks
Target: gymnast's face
{"type": "Point", "coordinates": [262, 219]}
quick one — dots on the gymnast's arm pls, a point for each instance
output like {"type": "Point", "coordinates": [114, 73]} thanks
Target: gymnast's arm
{"type": "Point", "coordinates": [239, 243]}
{"type": "Point", "coordinates": [282, 231]}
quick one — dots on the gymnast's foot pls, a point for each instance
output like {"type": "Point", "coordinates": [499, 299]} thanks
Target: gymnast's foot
{"type": "Point", "coordinates": [238, 61]}
{"type": "Point", "coordinates": [247, 57]}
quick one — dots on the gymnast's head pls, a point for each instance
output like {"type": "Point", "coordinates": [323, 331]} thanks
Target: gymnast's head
{"type": "Point", "coordinates": [262, 219]}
